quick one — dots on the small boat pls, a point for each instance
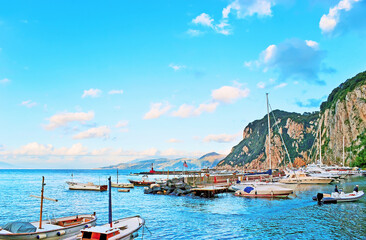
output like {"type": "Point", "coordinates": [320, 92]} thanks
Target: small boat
{"type": "Point", "coordinates": [134, 174]}
{"type": "Point", "coordinates": [335, 197]}
{"type": "Point", "coordinates": [87, 186]}
{"type": "Point", "coordinates": [122, 185]}
{"type": "Point", "coordinates": [264, 191]}
{"type": "Point", "coordinates": [125, 228]}
{"type": "Point", "coordinates": [57, 228]}
{"type": "Point", "coordinates": [302, 178]}
{"type": "Point", "coordinates": [123, 190]}
{"type": "Point", "coordinates": [143, 182]}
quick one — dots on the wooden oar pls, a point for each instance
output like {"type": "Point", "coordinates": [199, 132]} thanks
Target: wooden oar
{"type": "Point", "coordinates": [51, 199]}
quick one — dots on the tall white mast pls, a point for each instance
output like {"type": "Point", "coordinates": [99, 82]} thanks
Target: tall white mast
{"type": "Point", "coordinates": [343, 150]}
{"type": "Point", "coordinates": [320, 146]}
{"type": "Point", "coordinates": [269, 135]}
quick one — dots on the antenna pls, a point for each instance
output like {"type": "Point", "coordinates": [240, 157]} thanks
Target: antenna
{"type": "Point", "coordinates": [110, 201]}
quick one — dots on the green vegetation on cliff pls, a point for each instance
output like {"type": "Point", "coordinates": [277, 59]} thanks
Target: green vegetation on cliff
{"type": "Point", "coordinates": [358, 150]}
{"type": "Point", "coordinates": [253, 145]}
{"type": "Point", "coordinates": [340, 92]}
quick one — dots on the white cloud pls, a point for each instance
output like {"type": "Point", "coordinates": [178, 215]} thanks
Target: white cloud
{"type": "Point", "coordinates": [156, 110]}
{"type": "Point", "coordinates": [97, 132]}
{"type": "Point", "coordinates": [28, 103]}
{"type": "Point", "coordinates": [312, 44]}
{"type": "Point", "coordinates": [281, 85]}
{"type": "Point", "coordinates": [294, 59]}
{"type": "Point", "coordinates": [246, 8]}
{"type": "Point", "coordinates": [329, 21]}
{"type": "Point", "coordinates": [37, 149]}
{"type": "Point", "coordinates": [185, 110]}
{"type": "Point", "coordinates": [203, 19]}
{"type": "Point", "coordinates": [4, 81]}
{"type": "Point", "coordinates": [62, 119]}
{"type": "Point", "coordinates": [122, 124]}
{"type": "Point", "coordinates": [115, 92]}
{"type": "Point", "coordinates": [194, 32]}
{"type": "Point", "coordinates": [229, 94]}
{"type": "Point", "coordinates": [174, 140]}
{"type": "Point", "coordinates": [176, 67]}
{"type": "Point", "coordinates": [221, 138]}
{"type": "Point", "coordinates": [92, 93]}
{"type": "Point", "coordinates": [261, 85]}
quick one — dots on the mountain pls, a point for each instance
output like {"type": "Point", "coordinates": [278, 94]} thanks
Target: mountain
{"type": "Point", "coordinates": [342, 114]}
{"type": "Point", "coordinates": [208, 160]}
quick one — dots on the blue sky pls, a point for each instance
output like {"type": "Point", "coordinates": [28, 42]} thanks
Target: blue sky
{"type": "Point", "coordinates": [88, 83]}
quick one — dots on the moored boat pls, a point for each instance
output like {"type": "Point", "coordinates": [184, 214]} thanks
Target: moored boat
{"type": "Point", "coordinates": [335, 197]}
{"type": "Point", "coordinates": [143, 182]}
{"type": "Point", "coordinates": [57, 228]}
{"type": "Point", "coordinates": [123, 185]}
{"type": "Point", "coordinates": [264, 191]}
{"type": "Point", "coordinates": [87, 186]}
{"type": "Point", "coordinates": [302, 178]}
{"type": "Point", "coordinates": [125, 228]}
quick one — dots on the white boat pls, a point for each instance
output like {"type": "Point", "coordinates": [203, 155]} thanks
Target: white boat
{"type": "Point", "coordinates": [122, 185]}
{"type": "Point", "coordinates": [53, 229]}
{"type": "Point", "coordinates": [87, 186]}
{"type": "Point", "coordinates": [302, 178]}
{"type": "Point", "coordinates": [335, 197]}
{"type": "Point", "coordinates": [264, 191]}
{"type": "Point", "coordinates": [125, 228]}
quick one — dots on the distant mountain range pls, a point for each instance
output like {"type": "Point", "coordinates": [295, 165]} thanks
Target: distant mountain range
{"type": "Point", "coordinates": [208, 160]}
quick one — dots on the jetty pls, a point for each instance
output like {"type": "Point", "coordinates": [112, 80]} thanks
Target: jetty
{"type": "Point", "coordinates": [209, 191]}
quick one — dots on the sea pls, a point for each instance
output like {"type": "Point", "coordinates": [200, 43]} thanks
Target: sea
{"type": "Point", "coordinates": [171, 217]}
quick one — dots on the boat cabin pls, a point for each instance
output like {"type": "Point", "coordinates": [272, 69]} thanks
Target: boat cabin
{"type": "Point", "coordinates": [101, 233]}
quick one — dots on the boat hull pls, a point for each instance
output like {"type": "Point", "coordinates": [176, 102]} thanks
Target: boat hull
{"type": "Point", "coordinates": [141, 183]}
{"type": "Point", "coordinates": [51, 231]}
{"type": "Point", "coordinates": [87, 187]}
{"type": "Point", "coordinates": [306, 181]}
{"type": "Point", "coordinates": [123, 185]}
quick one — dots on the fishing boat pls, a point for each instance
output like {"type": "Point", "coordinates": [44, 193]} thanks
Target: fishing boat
{"type": "Point", "coordinates": [335, 197]}
{"type": "Point", "coordinates": [53, 229]}
{"type": "Point", "coordinates": [125, 228]}
{"type": "Point", "coordinates": [143, 182]}
{"type": "Point", "coordinates": [302, 178]}
{"type": "Point", "coordinates": [122, 185]}
{"type": "Point", "coordinates": [87, 186]}
{"type": "Point", "coordinates": [264, 191]}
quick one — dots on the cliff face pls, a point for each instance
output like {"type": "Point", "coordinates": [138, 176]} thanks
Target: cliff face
{"type": "Point", "coordinates": [343, 114]}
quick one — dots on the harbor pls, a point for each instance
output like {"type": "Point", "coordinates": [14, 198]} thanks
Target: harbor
{"type": "Point", "coordinates": [175, 217]}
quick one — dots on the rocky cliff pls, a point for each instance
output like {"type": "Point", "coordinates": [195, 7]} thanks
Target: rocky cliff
{"type": "Point", "coordinates": [342, 115]}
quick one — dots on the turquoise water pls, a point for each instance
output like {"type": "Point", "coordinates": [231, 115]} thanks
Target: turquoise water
{"type": "Point", "coordinates": [171, 217]}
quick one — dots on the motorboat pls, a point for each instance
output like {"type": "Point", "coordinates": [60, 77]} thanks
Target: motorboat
{"type": "Point", "coordinates": [53, 229]}
{"type": "Point", "coordinates": [125, 228]}
{"type": "Point", "coordinates": [303, 178]}
{"type": "Point", "coordinates": [335, 197]}
{"type": "Point", "coordinates": [143, 182]}
{"type": "Point", "coordinates": [264, 191]}
{"type": "Point", "coordinates": [122, 185]}
{"type": "Point", "coordinates": [87, 186]}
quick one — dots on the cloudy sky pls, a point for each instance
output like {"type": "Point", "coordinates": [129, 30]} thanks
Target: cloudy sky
{"type": "Point", "coordinates": [89, 83]}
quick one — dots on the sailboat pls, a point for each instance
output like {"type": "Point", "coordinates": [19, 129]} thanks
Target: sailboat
{"type": "Point", "coordinates": [263, 189]}
{"type": "Point", "coordinates": [53, 229]}
{"type": "Point", "coordinates": [122, 185]}
{"type": "Point", "coordinates": [125, 228]}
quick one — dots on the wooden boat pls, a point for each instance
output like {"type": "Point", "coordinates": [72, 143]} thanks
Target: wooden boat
{"type": "Point", "coordinates": [125, 228]}
{"type": "Point", "coordinates": [53, 229]}
{"type": "Point", "coordinates": [335, 197]}
{"type": "Point", "coordinates": [87, 186]}
{"type": "Point", "coordinates": [122, 185]}
{"type": "Point", "coordinates": [302, 178]}
{"type": "Point", "coordinates": [264, 191]}
{"type": "Point", "coordinates": [143, 182]}
{"type": "Point", "coordinates": [123, 190]}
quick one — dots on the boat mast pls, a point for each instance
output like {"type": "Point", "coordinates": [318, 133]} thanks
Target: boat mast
{"type": "Point", "coordinates": [117, 175]}
{"type": "Point", "coordinates": [40, 216]}
{"type": "Point", "coordinates": [110, 202]}
{"type": "Point", "coordinates": [320, 146]}
{"type": "Point", "coordinates": [269, 135]}
{"type": "Point", "coordinates": [343, 150]}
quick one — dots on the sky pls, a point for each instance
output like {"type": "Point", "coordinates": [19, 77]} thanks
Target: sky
{"type": "Point", "coordinates": [85, 84]}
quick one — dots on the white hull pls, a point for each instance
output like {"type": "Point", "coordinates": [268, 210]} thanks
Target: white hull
{"type": "Point", "coordinates": [86, 186]}
{"type": "Point", "coordinates": [306, 180]}
{"type": "Point", "coordinates": [122, 185]}
{"type": "Point", "coordinates": [53, 230]}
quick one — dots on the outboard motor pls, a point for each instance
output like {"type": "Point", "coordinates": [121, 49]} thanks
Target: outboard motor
{"type": "Point", "coordinates": [319, 197]}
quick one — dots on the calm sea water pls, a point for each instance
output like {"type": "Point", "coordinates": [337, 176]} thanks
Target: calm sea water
{"type": "Point", "coordinates": [171, 217]}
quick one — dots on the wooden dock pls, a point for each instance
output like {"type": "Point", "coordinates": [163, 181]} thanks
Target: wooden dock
{"type": "Point", "coordinates": [209, 191]}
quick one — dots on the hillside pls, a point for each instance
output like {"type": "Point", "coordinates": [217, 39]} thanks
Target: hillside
{"type": "Point", "coordinates": [208, 160]}
{"type": "Point", "coordinates": [342, 114]}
